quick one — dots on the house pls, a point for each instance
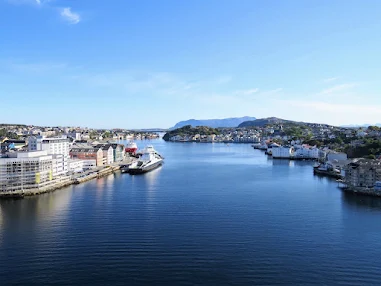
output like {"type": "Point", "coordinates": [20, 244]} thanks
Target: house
{"type": "Point", "coordinates": [363, 173]}
{"type": "Point", "coordinates": [108, 153]}
{"type": "Point", "coordinates": [87, 153]}
{"type": "Point", "coordinates": [283, 152]}
{"type": "Point", "coordinates": [307, 152]}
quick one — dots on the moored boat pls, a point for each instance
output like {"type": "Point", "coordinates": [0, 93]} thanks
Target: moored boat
{"type": "Point", "coordinates": [131, 148]}
{"type": "Point", "coordinates": [149, 161]}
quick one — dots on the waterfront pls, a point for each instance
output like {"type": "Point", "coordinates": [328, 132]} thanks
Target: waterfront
{"type": "Point", "coordinates": [213, 214]}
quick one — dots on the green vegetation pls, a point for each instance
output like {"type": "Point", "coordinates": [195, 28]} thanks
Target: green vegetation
{"type": "Point", "coordinates": [10, 135]}
{"type": "Point", "coordinates": [371, 148]}
{"type": "Point", "coordinates": [191, 131]}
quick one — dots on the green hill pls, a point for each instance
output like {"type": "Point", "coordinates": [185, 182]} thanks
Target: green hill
{"type": "Point", "coordinates": [191, 131]}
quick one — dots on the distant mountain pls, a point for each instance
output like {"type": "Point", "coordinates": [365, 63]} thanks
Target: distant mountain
{"type": "Point", "coordinates": [362, 125]}
{"type": "Point", "coordinates": [214, 123]}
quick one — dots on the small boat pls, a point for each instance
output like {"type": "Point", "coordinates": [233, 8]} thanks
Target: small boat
{"type": "Point", "coordinates": [131, 148]}
{"type": "Point", "coordinates": [149, 161]}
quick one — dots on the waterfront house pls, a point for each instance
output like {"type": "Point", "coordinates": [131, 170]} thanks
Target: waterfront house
{"type": "Point", "coordinates": [283, 152]}
{"type": "Point", "coordinates": [363, 173]}
{"type": "Point", "coordinates": [306, 152]}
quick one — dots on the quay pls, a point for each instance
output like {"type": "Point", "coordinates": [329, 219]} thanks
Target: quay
{"type": "Point", "coordinates": [67, 181]}
{"type": "Point", "coordinates": [328, 173]}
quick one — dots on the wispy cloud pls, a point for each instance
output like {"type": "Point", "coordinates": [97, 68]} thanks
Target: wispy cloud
{"type": "Point", "coordinates": [30, 2]}
{"type": "Point", "coordinates": [247, 91]}
{"type": "Point", "coordinates": [338, 88]}
{"type": "Point", "coordinates": [273, 91]}
{"type": "Point", "coordinates": [338, 108]}
{"type": "Point", "coordinates": [69, 16]}
{"type": "Point", "coordinates": [330, 79]}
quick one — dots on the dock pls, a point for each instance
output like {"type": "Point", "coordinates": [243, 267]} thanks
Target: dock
{"type": "Point", "coordinates": [67, 181]}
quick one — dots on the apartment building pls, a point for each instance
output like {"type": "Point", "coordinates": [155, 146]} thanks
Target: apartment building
{"type": "Point", "coordinates": [363, 173]}
{"type": "Point", "coordinates": [53, 146]}
{"type": "Point", "coordinates": [25, 170]}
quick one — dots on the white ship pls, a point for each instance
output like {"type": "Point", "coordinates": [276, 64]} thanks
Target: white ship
{"type": "Point", "coordinates": [149, 161]}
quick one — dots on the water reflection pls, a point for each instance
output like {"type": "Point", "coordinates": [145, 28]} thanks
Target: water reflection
{"type": "Point", "coordinates": [151, 179]}
{"type": "Point", "coordinates": [360, 201]}
{"type": "Point", "coordinates": [282, 162]}
{"type": "Point", "coordinates": [43, 207]}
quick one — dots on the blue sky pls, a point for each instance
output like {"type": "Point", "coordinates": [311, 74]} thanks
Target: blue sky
{"type": "Point", "coordinates": [149, 63]}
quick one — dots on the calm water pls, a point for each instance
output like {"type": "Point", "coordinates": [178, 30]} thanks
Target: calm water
{"type": "Point", "coordinates": [213, 215]}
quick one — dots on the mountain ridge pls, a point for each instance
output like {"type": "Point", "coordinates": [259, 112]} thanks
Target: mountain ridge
{"type": "Point", "coordinates": [213, 123]}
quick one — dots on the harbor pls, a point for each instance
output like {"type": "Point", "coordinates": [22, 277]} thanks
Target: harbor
{"type": "Point", "coordinates": [189, 210]}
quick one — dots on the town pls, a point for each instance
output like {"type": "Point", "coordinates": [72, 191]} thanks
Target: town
{"type": "Point", "coordinates": [38, 159]}
{"type": "Point", "coordinates": [34, 160]}
{"type": "Point", "coordinates": [351, 155]}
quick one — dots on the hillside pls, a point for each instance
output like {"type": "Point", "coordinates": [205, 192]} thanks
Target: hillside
{"type": "Point", "coordinates": [190, 131]}
{"type": "Point", "coordinates": [214, 123]}
{"type": "Point", "coordinates": [274, 120]}
{"type": "Point", "coordinates": [263, 122]}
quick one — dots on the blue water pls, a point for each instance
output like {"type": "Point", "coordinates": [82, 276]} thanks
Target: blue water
{"type": "Point", "coordinates": [212, 215]}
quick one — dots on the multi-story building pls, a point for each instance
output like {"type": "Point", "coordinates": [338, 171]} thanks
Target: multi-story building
{"type": "Point", "coordinates": [25, 170]}
{"type": "Point", "coordinates": [363, 173]}
{"type": "Point", "coordinates": [78, 165]}
{"type": "Point", "coordinates": [53, 146]}
{"type": "Point", "coordinates": [108, 153]}
{"type": "Point", "coordinates": [87, 153]}
{"type": "Point", "coordinates": [119, 152]}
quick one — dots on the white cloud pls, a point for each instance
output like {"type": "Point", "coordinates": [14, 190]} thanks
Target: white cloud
{"type": "Point", "coordinates": [338, 88]}
{"type": "Point", "coordinates": [38, 2]}
{"type": "Point", "coordinates": [273, 91]}
{"type": "Point", "coordinates": [331, 79]}
{"type": "Point", "coordinates": [336, 113]}
{"type": "Point", "coordinates": [69, 16]}
{"type": "Point", "coordinates": [247, 91]}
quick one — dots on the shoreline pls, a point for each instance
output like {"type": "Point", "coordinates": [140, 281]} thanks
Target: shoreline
{"type": "Point", "coordinates": [361, 191]}
{"type": "Point", "coordinates": [19, 194]}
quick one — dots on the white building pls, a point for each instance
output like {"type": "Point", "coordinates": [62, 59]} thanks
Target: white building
{"type": "Point", "coordinates": [53, 146]}
{"type": "Point", "coordinates": [307, 153]}
{"type": "Point", "coordinates": [283, 152]}
{"type": "Point", "coordinates": [25, 170]}
{"type": "Point", "coordinates": [78, 165]}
